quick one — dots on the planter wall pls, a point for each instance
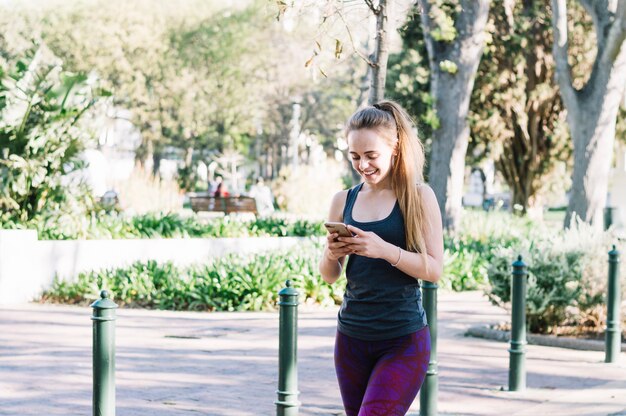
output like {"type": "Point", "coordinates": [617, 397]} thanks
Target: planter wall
{"type": "Point", "coordinates": [28, 265]}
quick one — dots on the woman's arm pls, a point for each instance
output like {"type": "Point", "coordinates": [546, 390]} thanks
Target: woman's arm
{"type": "Point", "coordinates": [335, 252]}
{"type": "Point", "coordinates": [428, 267]}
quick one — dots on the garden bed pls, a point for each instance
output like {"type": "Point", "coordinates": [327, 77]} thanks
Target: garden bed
{"type": "Point", "coordinates": [577, 342]}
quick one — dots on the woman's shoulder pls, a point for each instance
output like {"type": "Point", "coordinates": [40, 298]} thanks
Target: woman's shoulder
{"type": "Point", "coordinates": [427, 194]}
{"type": "Point", "coordinates": [338, 204]}
{"type": "Point", "coordinates": [340, 197]}
{"type": "Point", "coordinates": [343, 195]}
{"type": "Point", "coordinates": [424, 188]}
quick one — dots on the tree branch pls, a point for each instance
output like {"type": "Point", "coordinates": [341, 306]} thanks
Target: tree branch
{"type": "Point", "coordinates": [598, 9]}
{"type": "Point", "coordinates": [559, 50]}
{"type": "Point", "coordinates": [370, 4]}
{"type": "Point", "coordinates": [361, 55]}
{"type": "Point", "coordinates": [616, 36]}
{"type": "Point", "coordinates": [611, 30]}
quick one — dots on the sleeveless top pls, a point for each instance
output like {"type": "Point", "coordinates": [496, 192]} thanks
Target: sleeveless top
{"type": "Point", "coordinates": [380, 302]}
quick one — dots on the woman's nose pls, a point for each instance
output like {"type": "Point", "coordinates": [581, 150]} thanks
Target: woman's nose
{"type": "Point", "coordinates": [362, 164]}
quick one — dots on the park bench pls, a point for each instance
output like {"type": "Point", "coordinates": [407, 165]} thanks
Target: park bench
{"type": "Point", "coordinates": [225, 204]}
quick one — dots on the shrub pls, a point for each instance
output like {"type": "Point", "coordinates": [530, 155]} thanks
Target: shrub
{"type": "Point", "coordinates": [231, 283]}
{"type": "Point", "coordinates": [41, 137]}
{"type": "Point", "coordinates": [470, 251]}
{"type": "Point", "coordinates": [103, 225]}
{"type": "Point", "coordinates": [567, 274]}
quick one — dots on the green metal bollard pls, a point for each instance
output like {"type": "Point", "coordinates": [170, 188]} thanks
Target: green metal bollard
{"type": "Point", "coordinates": [608, 217]}
{"type": "Point", "coordinates": [428, 392]}
{"type": "Point", "coordinates": [517, 360]}
{"type": "Point", "coordinates": [613, 337]}
{"type": "Point", "coordinates": [287, 403]}
{"type": "Point", "coordinates": [103, 355]}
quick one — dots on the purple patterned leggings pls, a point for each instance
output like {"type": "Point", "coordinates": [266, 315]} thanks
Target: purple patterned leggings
{"type": "Point", "coordinates": [379, 378]}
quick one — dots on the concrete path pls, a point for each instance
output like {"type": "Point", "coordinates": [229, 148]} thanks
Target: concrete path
{"type": "Point", "coordinates": [183, 363]}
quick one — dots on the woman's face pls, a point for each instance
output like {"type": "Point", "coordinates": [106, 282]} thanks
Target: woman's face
{"type": "Point", "coordinates": [370, 155]}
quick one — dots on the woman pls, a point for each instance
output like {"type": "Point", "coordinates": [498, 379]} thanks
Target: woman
{"type": "Point", "coordinates": [382, 345]}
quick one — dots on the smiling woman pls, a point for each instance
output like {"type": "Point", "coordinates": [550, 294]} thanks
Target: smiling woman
{"type": "Point", "coordinates": [383, 338]}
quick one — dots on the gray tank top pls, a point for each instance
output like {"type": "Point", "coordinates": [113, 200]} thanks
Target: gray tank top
{"type": "Point", "coordinates": [380, 301]}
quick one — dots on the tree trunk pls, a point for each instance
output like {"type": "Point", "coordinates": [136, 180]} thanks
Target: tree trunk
{"type": "Point", "coordinates": [447, 157]}
{"type": "Point", "coordinates": [593, 156]}
{"type": "Point", "coordinates": [451, 91]}
{"type": "Point", "coordinates": [156, 164]}
{"type": "Point", "coordinates": [592, 110]}
{"type": "Point", "coordinates": [380, 56]}
{"type": "Point", "coordinates": [189, 156]}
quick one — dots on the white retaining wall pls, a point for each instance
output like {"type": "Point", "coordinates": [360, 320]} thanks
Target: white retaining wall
{"type": "Point", "coordinates": [28, 266]}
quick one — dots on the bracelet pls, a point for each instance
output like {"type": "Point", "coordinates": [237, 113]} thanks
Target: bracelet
{"type": "Point", "coordinates": [399, 257]}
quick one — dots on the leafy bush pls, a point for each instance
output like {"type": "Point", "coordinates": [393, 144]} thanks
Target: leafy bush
{"type": "Point", "coordinates": [41, 137]}
{"type": "Point", "coordinates": [231, 283]}
{"type": "Point", "coordinates": [112, 225]}
{"type": "Point", "coordinates": [567, 274]}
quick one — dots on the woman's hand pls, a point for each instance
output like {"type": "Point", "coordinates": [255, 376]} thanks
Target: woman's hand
{"type": "Point", "coordinates": [335, 248]}
{"type": "Point", "coordinates": [365, 243]}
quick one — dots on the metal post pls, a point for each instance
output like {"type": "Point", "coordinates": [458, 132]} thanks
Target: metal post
{"type": "Point", "coordinates": [287, 403]}
{"type": "Point", "coordinates": [517, 359]}
{"type": "Point", "coordinates": [103, 355]}
{"type": "Point", "coordinates": [608, 217]}
{"type": "Point", "coordinates": [613, 337]}
{"type": "Point", "coordinates": [428, 393]}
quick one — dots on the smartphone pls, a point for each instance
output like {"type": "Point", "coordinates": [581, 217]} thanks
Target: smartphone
{"type": "Point", "coordinates": [339, 228]}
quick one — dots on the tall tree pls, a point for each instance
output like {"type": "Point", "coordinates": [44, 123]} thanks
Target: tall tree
{"type": "Point", "coordinates": [454, 32]}
{"type": "Point", "coordinates": [592, 109]}
{"type": "Point", "coordinates": [516, 110]}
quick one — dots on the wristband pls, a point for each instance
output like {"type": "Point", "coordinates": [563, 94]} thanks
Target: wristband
{"type": "Point", "coordinates": [399, 257]}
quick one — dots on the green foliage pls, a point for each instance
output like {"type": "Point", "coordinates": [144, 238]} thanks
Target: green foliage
{"type": "Point", "coordinates": [516, 114]}
{"type": "Point", "coordinates": [408, 76]}
{"type": "Point", "coordinates": [40, 136]}
{"type": "Point", "coordinates": [231, 283]}
{"type": "Point", "coordinates": [514, 99]}
{"type": "Point", "coordinates": [443, 14]}
{"type": "Point", "coordinates": [102, 225]}
{"type": "Point", "coordinates": [448, 66]}
{"type": "Point", "coordinates": [567, 277]}
{"type": "Point", "coordinates": [469, 252]}
{"type": "Point", "coordinates": [199, 77]}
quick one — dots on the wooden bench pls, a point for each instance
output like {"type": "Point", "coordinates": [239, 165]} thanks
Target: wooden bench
{"type": "Point", "coordinates": [225, 204]}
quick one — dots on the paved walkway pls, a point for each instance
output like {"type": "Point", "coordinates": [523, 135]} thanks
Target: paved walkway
{"type": "Point", "coordinates": [183, 363]}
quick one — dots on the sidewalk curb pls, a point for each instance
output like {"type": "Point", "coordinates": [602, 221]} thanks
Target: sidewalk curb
{"type": "Point", "coordinates": [483, 331]}
{"type": "Point", "coordinates": [607, 399]}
